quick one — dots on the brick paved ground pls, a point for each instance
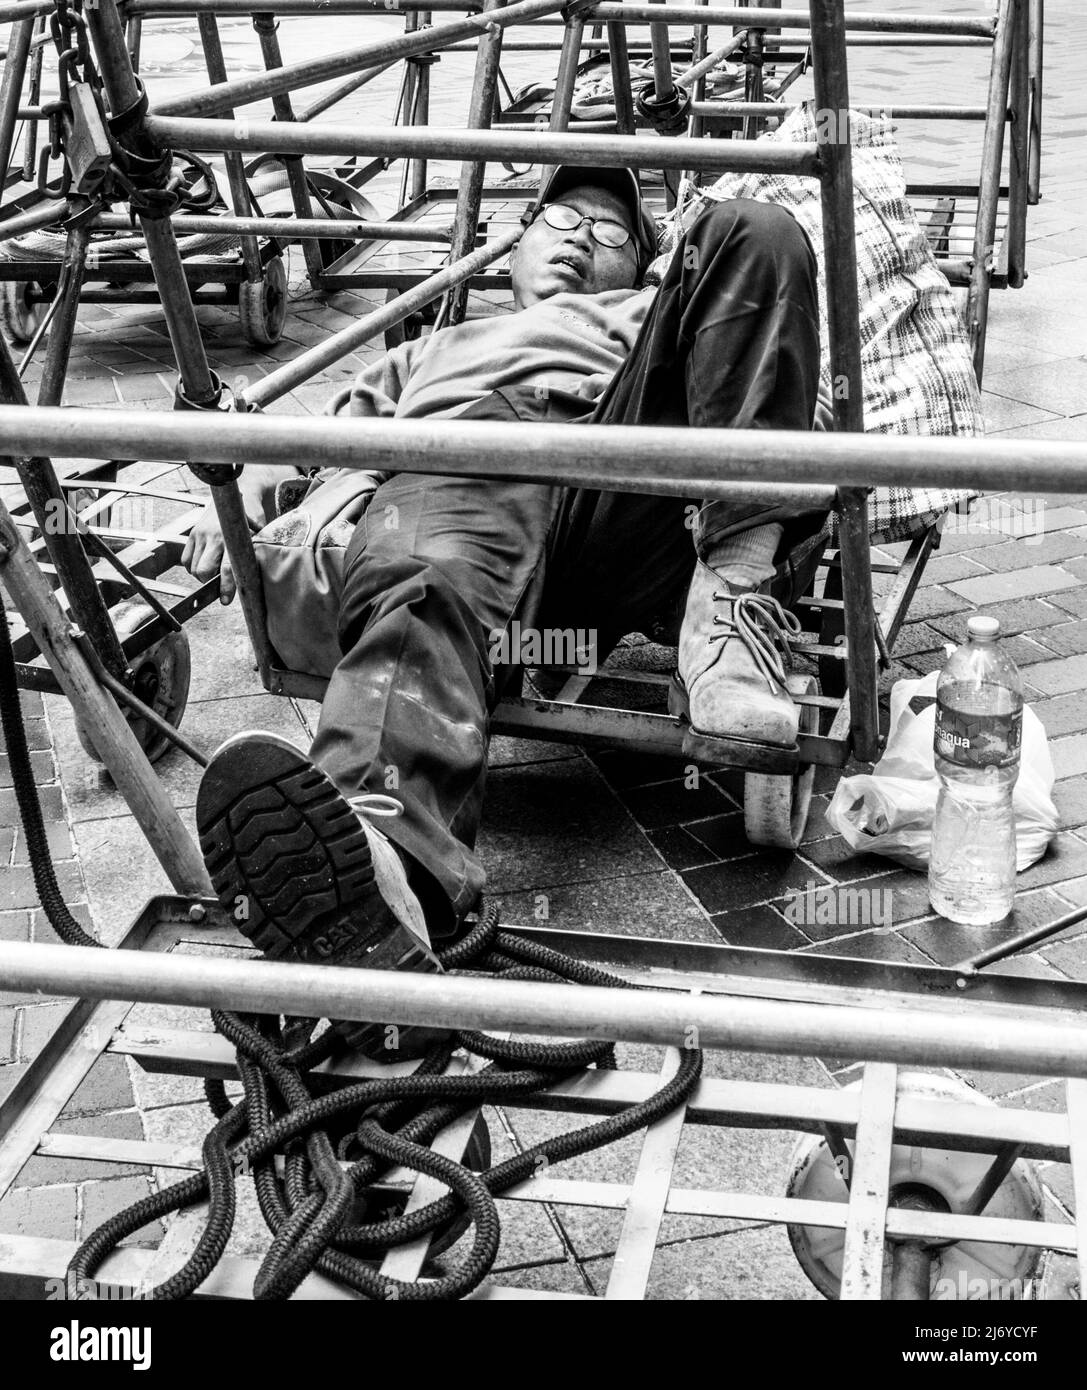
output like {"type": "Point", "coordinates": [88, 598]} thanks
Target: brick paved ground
{"type": "Point", "coordinates": [619, 842]}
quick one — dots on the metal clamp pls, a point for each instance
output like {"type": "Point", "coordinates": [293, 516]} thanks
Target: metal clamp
{"type": "Point", "coordinates": [668, 116]}
{"type": "Point", "coordinates": [225, 401]}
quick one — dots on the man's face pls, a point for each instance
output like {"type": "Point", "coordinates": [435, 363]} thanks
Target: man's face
{"type": "Point", "coordinates": [548, 261]}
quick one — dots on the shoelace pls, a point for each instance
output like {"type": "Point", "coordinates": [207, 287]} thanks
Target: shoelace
{"type": "Point", "coordinates": [376, 805]}
{"type": "Point", "coordinates": [764, 627]}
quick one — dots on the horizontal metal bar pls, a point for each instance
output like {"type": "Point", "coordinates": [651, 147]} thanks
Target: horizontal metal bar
{"type": "Point", "coordinates": [422, 142]}
{"type": "Point", "coordinates": [623, 458]}
{"type": "Point", "coordinates": [44, 216]}
{"type": "Point", "coordinates": [855, 21]}
{"type": "Point", "coordinates": [900, 1222]}
{"type": "Point", "coordinates": [288, 228]}
{"type": "Point", "coordinates": [866, 22]}
{"type": "Point", "coordinates": [964, 1126]}
{"type": "Point", "coordinates": [28, 1262]}
{"type": "Point", "coordinates": [25, 9]}
{"type": "Point", "coordinates": [897, 113]}
{"type": "Point", "coordinates": [312, 9]}
{"type": "Point", "coordinates": [1036, 1045]}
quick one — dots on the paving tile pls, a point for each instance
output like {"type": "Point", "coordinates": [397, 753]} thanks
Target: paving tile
{"type": "Point", "coordinates": [1028, 615]}
{"type": "Point", "coordinates": [1060, 676]}
{"type": "Point", "coordinates": [1002, 413]}
{"type": "Point", "coordinates": [9, 1020]}
{"type": "Point", "coordinates": [524, 845]}
{"type": "Point", "coordinates": [57, 836]}
{"type": "Point", "coordinates": [1020, 583]}
{"type": "Point", "coordinates": [120, 1124]}
{"type": "Point", "coordinates": [1059, 387]}
{"type": "Point", "coordinates": [1070, 957]}
{"type": "Point", "coordinates": [1069, 756]}
{"type": "Point", "coordinates": [1065, 858]}
{"type": "Point", "coordinates": [1065, 639]}
{"type": "Point", "coordinates": [104, 1198]}
{"type": "Point", "coordinates": [1064, 714]}
{"type": "Point", "coordinates": [742, 882]}
{"type": "Point", "coordinates": [1030, 551]}
{"type": "Point", "coordinates": [679, 849]}
{"type": "Point", "coordinates": [947, 942]}
{"type": "Point", "coordinates": [886, 898]}
{"type": "Point", "coordinates": [107, 1086]}
{"type": "Point", "coordinates": [652, 905]}
{"type": "Point", "coordinates": [676, 803]}
{"type": "Point", "coordinates": [871, 945]}
{"type": "Point", "coordinates": [39, 1023]}
{"type": "Point", "coordinates": [48, 1212]}
{"type": "Point", "coordinates": [17, 885]}
{"type": "Point", "coordinates": [722, 835]}
{"type": "Point", "coordinates": [761, 928]}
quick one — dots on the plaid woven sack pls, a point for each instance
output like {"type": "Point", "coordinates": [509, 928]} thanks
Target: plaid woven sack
{"type": "Point", "coordinates": [916, 367]}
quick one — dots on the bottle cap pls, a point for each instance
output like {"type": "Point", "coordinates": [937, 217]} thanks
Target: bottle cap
{"type": "Point", "coordinates": [982, 628]}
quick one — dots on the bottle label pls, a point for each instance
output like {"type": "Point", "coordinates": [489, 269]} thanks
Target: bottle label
{"type": "Point", "coordinates": [978, 740]}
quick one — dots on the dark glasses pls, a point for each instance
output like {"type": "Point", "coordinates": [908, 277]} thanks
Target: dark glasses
{"type": "Point", "coordinates": [567, 219]}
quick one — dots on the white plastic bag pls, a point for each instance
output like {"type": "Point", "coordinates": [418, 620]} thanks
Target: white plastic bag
{"type": "Point", "coordinates": [890, 811]}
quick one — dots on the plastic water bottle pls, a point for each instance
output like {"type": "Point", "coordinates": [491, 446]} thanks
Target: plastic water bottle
{"type": "Point", "coordinates": [979, 721]}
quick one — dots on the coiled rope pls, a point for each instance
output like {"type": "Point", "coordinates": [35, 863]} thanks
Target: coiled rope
{"type": "Point", "coordinates": [335, 1141]}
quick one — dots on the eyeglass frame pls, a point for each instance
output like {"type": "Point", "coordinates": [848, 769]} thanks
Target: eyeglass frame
{"type": "Point", "coordinates": [629, 240]}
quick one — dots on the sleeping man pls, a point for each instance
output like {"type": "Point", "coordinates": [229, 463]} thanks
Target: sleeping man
{"type": "Point", "coordinates": [729, 339]}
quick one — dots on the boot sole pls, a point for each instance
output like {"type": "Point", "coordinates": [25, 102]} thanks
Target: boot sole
{"type": "Point", "coordinates": [732, 750]}
{"type": "Point", "coordinates": [286, 854]}
{"type": "Point", "coordinates": [290, 862]}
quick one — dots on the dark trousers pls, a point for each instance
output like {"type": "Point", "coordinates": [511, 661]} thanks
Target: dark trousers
{"type": "Point", "coordinates": [439, 567]}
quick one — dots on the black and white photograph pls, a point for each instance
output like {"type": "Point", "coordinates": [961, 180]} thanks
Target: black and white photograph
{"type": "Point", "coordinates": [544, 682]}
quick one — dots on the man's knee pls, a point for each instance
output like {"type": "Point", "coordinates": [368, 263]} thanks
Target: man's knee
{"type": "Point", "coordinates": [761, 231]}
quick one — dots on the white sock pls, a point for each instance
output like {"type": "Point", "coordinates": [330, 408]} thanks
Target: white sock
{"type": "Point", "coordinates": [746, 558]}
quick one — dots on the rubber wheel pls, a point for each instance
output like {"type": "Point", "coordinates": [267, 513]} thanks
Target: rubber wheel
{"type": "Point", "coordinates": [776, 804]}
{"type": "Point", "coordinates": [263, 307]}
{"type": "Point", "coordinates": [160, 678]}
{"type": "Point", "coordinates": [20, 317]}
{"type": "Point", "coordinates": [963, 1270]}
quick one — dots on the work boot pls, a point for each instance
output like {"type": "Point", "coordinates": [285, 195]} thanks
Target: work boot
{"type": "Point", "coordinates": [307, 877]}
{"type": "Point", "coordinates": [734, 655]}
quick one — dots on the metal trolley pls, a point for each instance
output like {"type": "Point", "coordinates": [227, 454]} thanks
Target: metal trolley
{"type": "Point", "coordinates": [849, 1181]}
{"type": "Point", "coordinates": [144, 648]}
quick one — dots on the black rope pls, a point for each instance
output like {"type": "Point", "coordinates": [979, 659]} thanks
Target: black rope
{"type": "Point", "coordinates": [26, 796]}
{"type": "Point", "coordinates": [295, 1127]}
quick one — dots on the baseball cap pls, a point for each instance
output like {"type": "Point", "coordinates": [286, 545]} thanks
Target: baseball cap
{"type": "Point", "coordinates": [623, 183]}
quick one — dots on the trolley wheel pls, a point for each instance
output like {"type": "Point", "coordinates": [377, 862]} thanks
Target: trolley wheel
{"type": "Point", "coordinates": [776, 805]}
{"type": "Point", "coordinates": [263, 307]}
{"type": "Point", "coordinates": [160, 678]}
{"type": "Point", "coordinates": [945, 1178]}
{"type": "Point", "coordinates": [19, 315]}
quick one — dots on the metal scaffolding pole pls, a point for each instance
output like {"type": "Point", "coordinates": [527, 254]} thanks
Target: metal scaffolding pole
{"type": "Point", "coordinates": [1045, 1043]}
{"type": "Point", "coordinates": [538, 147]}
{"type": "Point", "coordinates": [619, 458]}
{"type": "Point", "coordinates": [307, 74]}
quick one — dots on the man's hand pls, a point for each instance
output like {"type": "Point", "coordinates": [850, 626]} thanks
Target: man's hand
{"type": "Point", "coordinates": [205, 553]}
